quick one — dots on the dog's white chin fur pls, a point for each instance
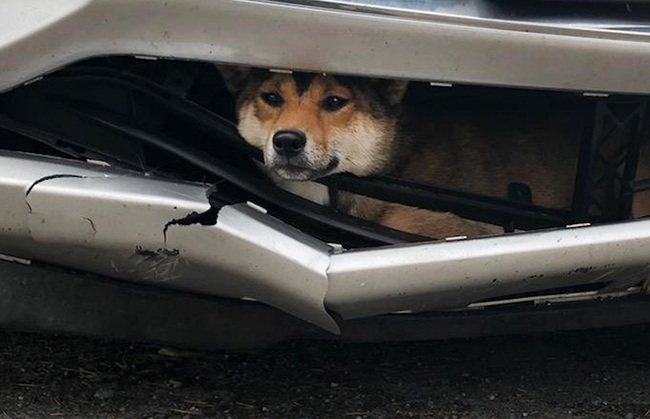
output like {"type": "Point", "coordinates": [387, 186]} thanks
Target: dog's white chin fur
{"type": "Point", "coordinates": [309, 190]}
{"type": "Point", "coordinates": [312, 191]}
{"type": "Point", "coordinates": [296, 174]}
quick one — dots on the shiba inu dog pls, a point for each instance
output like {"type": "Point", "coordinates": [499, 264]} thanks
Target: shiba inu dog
{"type": "Point", "coordinates": [311, 125]}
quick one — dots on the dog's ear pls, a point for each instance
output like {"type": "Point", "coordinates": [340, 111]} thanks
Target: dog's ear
{"type": "Point", "coordinates": [234, 77]}
{"type": "Point", "coordinates": [393, 90]}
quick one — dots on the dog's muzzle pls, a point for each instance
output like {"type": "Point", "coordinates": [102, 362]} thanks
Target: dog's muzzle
{"type": "Point", "coordinates": [290, 160]}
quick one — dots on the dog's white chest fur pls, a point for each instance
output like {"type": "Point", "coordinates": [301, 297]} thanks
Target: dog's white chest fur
{"type": "Point", "coordinates": [312, 191]}
{"type": "Point", "coordinates": [309, 190]}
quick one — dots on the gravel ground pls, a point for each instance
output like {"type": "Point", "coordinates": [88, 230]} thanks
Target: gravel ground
{"type": "Point", "coordinates": [601, 374]}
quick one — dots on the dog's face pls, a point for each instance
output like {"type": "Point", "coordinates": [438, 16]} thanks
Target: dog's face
{"type": "Point", "coordinates": [309, 126]}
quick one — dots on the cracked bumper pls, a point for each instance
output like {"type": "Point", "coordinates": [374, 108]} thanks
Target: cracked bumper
{"type": "Point", "coordinates": [108, 222]}
{"type": "Point", "coordinates": [112, 223]}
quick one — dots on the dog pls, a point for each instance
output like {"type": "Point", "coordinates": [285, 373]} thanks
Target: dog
{"type": "Point", "coordinates": [313, 125]}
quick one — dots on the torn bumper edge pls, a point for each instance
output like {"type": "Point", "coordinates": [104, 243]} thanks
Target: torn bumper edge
{"type": "Point", "coordinates": [111, 223]}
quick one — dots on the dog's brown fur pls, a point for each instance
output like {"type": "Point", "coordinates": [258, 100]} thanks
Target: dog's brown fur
{"type": "Point", "coordinates": [481, 152]}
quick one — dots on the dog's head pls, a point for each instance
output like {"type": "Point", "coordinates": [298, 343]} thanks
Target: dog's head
{"type": "Point", "coordinates": [310, 125]}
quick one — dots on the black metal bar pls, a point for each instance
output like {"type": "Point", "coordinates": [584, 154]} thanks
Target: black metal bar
{"type": "Point", "coordinates": [583, 186]}
{"type": "Point", "coordinates": [608, 160]}
{"type": "Point", "coordinates": [631, 164]}
{"type": "Point", "coordinates": [190, 111]}
{"type": "Point", "coordinates": [472, 206]}
{"type": "Point", "coordinates": [47, 138]}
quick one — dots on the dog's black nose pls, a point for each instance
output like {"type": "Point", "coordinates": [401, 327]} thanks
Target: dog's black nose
{"type": "Point", "coordinates": [289, 143]}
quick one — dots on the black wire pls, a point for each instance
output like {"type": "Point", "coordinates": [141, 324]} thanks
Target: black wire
{"type": "Point", "coordinates": [209, 121]}
{"type": "Point", "coordinates": [53, 141]}
{"type": "Point", "coordinates": [481, 208]}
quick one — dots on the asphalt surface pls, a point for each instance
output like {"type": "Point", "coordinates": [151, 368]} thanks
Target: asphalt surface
{"type": "Point", "coordinates": [587, 374]}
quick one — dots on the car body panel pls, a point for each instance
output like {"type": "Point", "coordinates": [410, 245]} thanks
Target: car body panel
{"type": "Point", "coordinates": [437, 47]}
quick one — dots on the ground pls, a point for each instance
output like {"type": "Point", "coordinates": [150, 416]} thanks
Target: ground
{"type": "Point", "coordinates": [587, 374]}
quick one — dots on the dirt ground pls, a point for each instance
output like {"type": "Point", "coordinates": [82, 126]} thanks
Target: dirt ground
{"type": "Point", "coordinates": [603, 374]}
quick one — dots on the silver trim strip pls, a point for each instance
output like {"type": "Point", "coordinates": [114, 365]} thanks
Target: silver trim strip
{"type": "Point", "coordinates": [538, 15]}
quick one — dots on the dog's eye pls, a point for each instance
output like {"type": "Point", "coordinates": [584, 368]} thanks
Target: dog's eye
{"type": "Point", "coordinates": [273, 99]}
{"type": "Point", "coordinates": [333, 103]}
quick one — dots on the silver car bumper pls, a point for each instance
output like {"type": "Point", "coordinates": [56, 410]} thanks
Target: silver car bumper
{"type": "Point", "coordinates": [120, 225]}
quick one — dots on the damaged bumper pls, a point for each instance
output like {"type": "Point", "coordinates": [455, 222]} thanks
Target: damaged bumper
{"type": "Point", "coordinates": [121, 225]}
